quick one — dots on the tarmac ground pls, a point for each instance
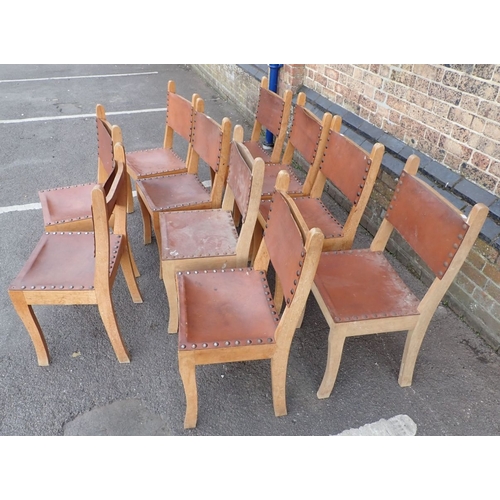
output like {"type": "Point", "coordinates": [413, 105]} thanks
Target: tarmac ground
{"type": "Point", "coordinates": [47, 139]}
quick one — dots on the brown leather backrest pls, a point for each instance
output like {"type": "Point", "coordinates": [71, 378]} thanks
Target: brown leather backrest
{"type": "Point", "coordinates": [270, 110]}
{"type": "Point", "coordinates": [207, 139]}
{"type": "Point", "coordinates": [433, 228]}
{"type": "Point", "coordinates": [285, 245]}
{"type": "Point", "coordinates": [179, 115]}
{"type": "Point", "coordinates": [305, 133]}
{"type": "Point", "coordinates": [346, 165]}
{"type": "Point", "coordinates": [105, 145]}
{"type": "Point", "coordinates": [239, 177]}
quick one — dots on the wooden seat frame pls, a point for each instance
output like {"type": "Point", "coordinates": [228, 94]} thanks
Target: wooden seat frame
{"type": "Point", "coordinates": [179, 125]}
{"type": "Point", "coordinates": [229, 245]}
{"type": "Point", "coordinates": [437, 232]}
{"type": "Point", "coordinates": [243, 298]}
{"type": "Point", "coordinates": [96, 264]}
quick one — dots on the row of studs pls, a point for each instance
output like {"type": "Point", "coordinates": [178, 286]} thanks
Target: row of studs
{"type": "Point", "coordinates": [339, 319]}
{"type": "Point", "coordinates": [67, 187]}
{"type": "Point", "coordinates": [71, 287]}
{"type": "Point", "coordinates": [364, 177]}
{"type": "Point", "coordinates": [191, 118]}
{"type": "Point", "coordinates": [460, 236]}
{"type": "Point", "coordinates": [260, 100]}
{"type": "Point", "coordinates": [227, 343]}
{"type": "Point", "coordinates": [100, 139]}
{"type": "Point", "coordinates": [216, 169]}
{"type": "Point", "coordinates": [334, 235]}
{"type": "Point", "coordinates": [301, 262]}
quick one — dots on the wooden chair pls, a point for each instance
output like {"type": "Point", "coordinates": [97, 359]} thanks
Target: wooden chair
{"type": "Point", "coordinates": [163, 161]}
{"type": "Point", "coordinates": [360, 293]}
{"type": "Point", "coordinates": [70, 208]}
{"type": "Point", "coordinates": [351, 170]}
{"type": "Point", "coordinates": [229, 315]}
{"type": "Point", "coordinates": [210, 142]}
{"type": "Point", "coordinates": [72, 268]}
{"type": "Point", "coordinates": [209, 239]}
{"type": "Point", "coordinates": [308, 136]}
{"type": "Point", "coordinates": [273, 114]}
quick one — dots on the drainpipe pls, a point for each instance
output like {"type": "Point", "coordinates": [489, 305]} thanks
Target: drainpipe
{"type": "Point", "coordinates": [273, 85]}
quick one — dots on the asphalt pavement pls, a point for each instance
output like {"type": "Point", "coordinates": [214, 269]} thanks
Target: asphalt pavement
{"type": "Point", "coordinates": [47, 139]}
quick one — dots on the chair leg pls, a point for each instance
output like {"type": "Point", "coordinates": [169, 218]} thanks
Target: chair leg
{"type": "Point", "coordinates": [168, 274]}
{"type": "Point", "coordinates": [335, 347]}
{"type": "Point", "coordinates": [279, 363]}
{"type": "Point", "coordinates": [31, 324]}
{"type": "Point", "coordinates": [126, 263]}
{"type": "Point", "coordinates": [132, 261]}
{"type": "Point", "coordinates": [130, 197]}
{"type": "Point", "coordinates": [156, 228]}
{"type": "Point", "coordinates": [413, 343]}
{"type": "Point", "coordinates": [187, 369]}
{"type": "Point", "coordinates": [146, 220]}
{"type": "Point", "coordinates": [108, 317]}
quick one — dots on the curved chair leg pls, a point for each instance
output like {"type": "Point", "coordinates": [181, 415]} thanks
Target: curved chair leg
{"type": "Point", "coordinates": [132, 261]}
{"type": "Point", "coordinates": [168, 274]}
{"type": "Point", "coordinates": [413, 342]}
{"type": "Point", "coordinates": [279, 365]}
{"type": "Point", "coordinates": [126, 264]}
{"type": "Point", "coordinates": [187, 369]}
{"type": "Point", "coordinates": [335, 346]}
{"type": "Point", "coordinates": [108, 316]}
{"type": "Point", "coordinates": [31, 324]}
{"type": "Point", "coordinates": [146, 220]}
{"type": "Point", "coordinates": [130, 197]}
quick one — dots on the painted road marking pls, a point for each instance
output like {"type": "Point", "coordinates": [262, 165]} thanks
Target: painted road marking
{"type": "Point", "coordinates": [400, 425]}
{"type": "Point", "coordinates": [72, 117]}
{"type": "Point", "coordinates": [77, 77]}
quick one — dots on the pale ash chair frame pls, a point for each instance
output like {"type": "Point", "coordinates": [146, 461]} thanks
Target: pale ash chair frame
{"type": "Point", "coordinates": [97, 267]}
{"type": "Point", "coordinates": [179, 124]}
{"type": "Point", "coordinates": [295, 261]}
{"type": "Point", "coordinates": [415, 212]}
{"type": "Point", "coordinates": [214, 151]}
{"type": "Point", "coordinates": [231, 246]}
{"type": "Point", "coordinates": [353, 172]}
{"type": "Point", "coordinates": [273, 114]}
{"type": "Point", "coordinates": [107, 137]}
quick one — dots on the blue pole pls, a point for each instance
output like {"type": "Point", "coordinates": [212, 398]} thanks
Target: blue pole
{"type": "Point", "coordinates": [273, 85]}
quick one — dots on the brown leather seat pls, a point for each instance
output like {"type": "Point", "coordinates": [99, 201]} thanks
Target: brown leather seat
{"type": "Point", "coordinates": [209, 239]}
{"type": "Point", "coordinates": [272, 113]}
{"type": "Point", "coordinates": [80, 267]}
{"type": "Point", "coordinates": [164, 161]}
{"type": "Point", "coordinates": [360, 293]}
{"type": "Point", "coordinates": [229, 315]}
{"type": "Point", "coordinates": [210, 142]}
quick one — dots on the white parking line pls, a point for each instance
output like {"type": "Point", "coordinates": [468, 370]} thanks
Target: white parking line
{"type": "Point", "coordinates": [76, 77]}
{"type": "Point", "coordinates": [29, 206]}
{"type": "Point", "coordinates": [83, 115]}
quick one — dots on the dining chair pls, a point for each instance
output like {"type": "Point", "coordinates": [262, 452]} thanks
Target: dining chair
{"type": "Point", "coordinates": [210, 239]}
{"type": "Point", "coordinates": [79, 267]}
{"type": "Point", "coordinates": [70, 208]}
{"type": "Point", "coordinates": [273, 114]}
{"type": "Point", "coordinates": [146, 163]}
{"type": "Point", "coordinates": [353, 172]}
{"type": "Point", "coordinates": [307, 137]}
{"type": "Point", "coordinates": [210, 143]}
{"type": "Point", "coordinates": [229, 315]}
{"type": "Point", "coordinates": [360, 292]}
